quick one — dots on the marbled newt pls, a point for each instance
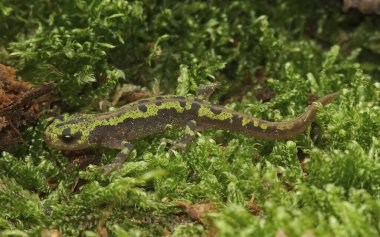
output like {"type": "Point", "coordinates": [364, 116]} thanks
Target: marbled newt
{"type": "Point", "coordinates": [149, 116]}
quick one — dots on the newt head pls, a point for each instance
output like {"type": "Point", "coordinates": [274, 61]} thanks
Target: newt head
{"type": "Point", "coordinates": [69, 132]}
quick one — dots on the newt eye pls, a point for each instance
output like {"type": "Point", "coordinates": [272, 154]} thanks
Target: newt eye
{"type": "Point", "coordinates": [68, 137]}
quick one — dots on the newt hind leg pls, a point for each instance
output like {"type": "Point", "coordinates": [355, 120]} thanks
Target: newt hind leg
{"type": "Point", "coordinates": [190, 132]}
{"type": "Point", "coordinates": [206, 91]}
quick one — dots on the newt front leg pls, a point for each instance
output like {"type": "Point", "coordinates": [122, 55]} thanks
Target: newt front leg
{"type": "Point", "coordinates": [121, 157]}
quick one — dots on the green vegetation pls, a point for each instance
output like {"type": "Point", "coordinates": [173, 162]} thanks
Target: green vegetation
{"type": "Point", "coordinates": [291, 49]}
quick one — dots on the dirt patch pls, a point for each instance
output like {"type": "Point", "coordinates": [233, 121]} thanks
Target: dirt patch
{"type": "Point", "coordinates": [19, 106]}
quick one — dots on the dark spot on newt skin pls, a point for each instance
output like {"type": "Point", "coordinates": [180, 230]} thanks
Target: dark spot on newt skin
{"type": "Point", "coordinates": [159, 100]}
{"type": "Point", "coordinates": [143, 108]}
{"type": "Point", "coordinates": [251, 127]}
{"type": "Point", "coordinates": [60, 117]}
{"type": "Point", "coordinates": [195, 107]}
{"type": "Point", "coordinates": [66, 132]}
{"type": "Point", "coordinates": [215, 110]}
{"type": "Point", "coordinates": [182, 103]}
{"type": "Point", "coordinates": [78, 135]}
{"type": "Point", "coordinates": [143, 101]}
{"type": "Point", "coordinates": [68, 137]}
{"type": "Point", "coordinates": [199, 100]}
{"type": "Point", "coordinates": [237, 120]}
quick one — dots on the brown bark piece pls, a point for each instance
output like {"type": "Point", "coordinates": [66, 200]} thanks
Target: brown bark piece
{"type": "Point", "coordinates": [197, 211]}
{"type": "Point", "coordinates": [254, 207]}
{"type": "Point", "coordinates": [18, 106]}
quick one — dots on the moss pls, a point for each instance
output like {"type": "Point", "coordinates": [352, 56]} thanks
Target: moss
{"type": "Point", "coordinates": [323, 183]}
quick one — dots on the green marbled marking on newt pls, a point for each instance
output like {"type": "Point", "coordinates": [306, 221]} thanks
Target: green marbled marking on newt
{"type": "Point", "coordinates": [284, 127]}
{"type": "Point", "coordinates": [245, 121]}
{"type": "Point", "coordinates": [205, 111]}
{"type": "Point", "coordinates": [263, 126]}
{"type": "Point", "coordinates": [188, 106]}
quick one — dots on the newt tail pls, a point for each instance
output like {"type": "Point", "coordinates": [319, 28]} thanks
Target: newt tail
{"type": "Point", "coordinates": [287, 129]}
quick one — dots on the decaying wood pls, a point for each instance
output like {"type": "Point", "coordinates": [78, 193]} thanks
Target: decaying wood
{"type": "Point", "coordinates": [19, 106]}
